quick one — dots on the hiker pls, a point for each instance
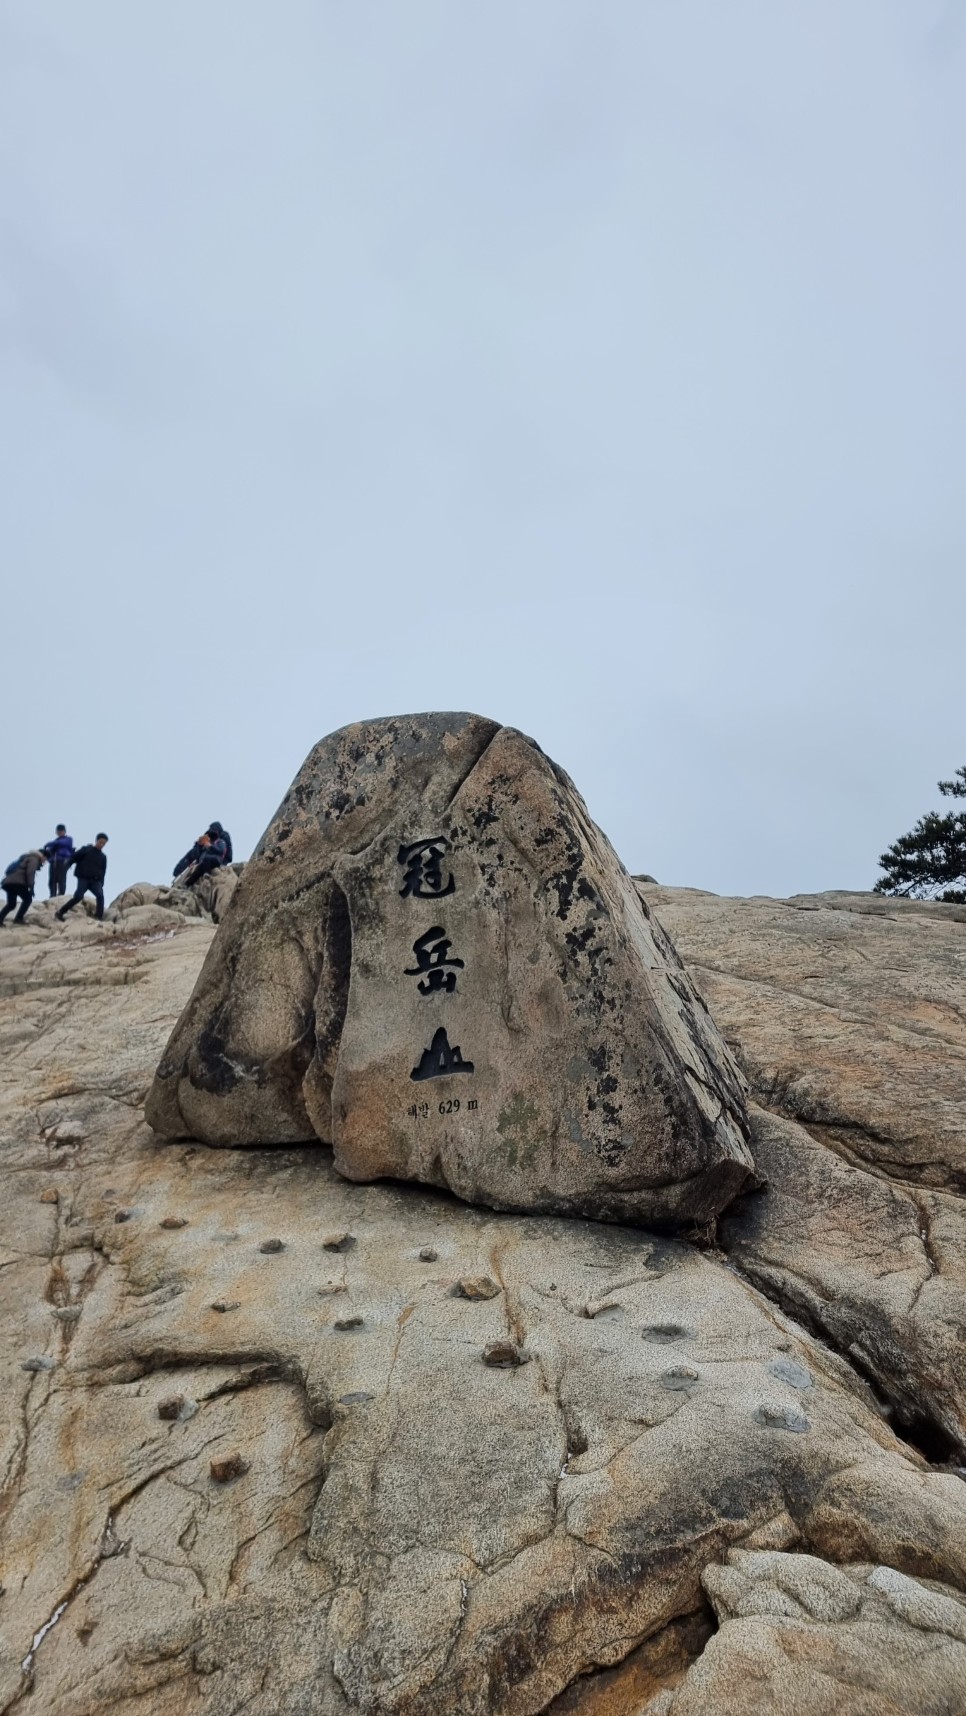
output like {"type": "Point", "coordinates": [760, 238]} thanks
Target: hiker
{"type": "Point", "coordinates": [218, 833]}
{"type": "Point", "coordinates": [18, 883]}
{"type": "Point", "coordinates": [59, 853]}
{"type": "Point", "coordinates": [208, 853]}
{"type": "Point", "coordinates": [90, 867]}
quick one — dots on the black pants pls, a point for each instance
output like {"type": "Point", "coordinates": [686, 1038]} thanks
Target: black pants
{"type": "Point", "coordinates": [16, 891]}
{"type": "Point", "coordinates": [203, 866]}
{"type": "Point", "coordinates": [95, 888]}
{"type": "Point", "coordinates": [57, 876]}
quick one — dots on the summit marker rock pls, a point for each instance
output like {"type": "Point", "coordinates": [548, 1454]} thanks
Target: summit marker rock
{"type": "Point", "coordinates": [436, 963]}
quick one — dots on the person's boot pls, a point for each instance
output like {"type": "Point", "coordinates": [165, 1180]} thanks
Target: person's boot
{"type": "Point", "coordinates": [60, 916]}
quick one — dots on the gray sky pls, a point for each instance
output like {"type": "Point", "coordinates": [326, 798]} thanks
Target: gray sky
{"type": "Point", "coordinates": [599, 368]}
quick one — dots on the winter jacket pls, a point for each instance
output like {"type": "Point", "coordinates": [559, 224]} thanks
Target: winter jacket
{"type": "Point", "coordinates": [90, 864]}
{"type": "Point", "coordinates": [218, 833]}
{"type": "Point", "coordinates": [60, 850]}
{"type": "Point", "coordinates": [213, 856]}
{"type": "Point", "coordinates": [23, 875]}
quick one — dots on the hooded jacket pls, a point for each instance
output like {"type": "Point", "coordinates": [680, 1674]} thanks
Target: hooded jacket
{"type": "Point", "coordinates": [23, 875]}
{"type": "Point", "coordinates": [218, 833]}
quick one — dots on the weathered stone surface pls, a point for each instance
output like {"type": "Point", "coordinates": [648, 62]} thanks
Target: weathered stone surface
{"type": "Point", "coordinates": [849, 1011]}
{"type": "Point", "coordinates": [436, 963]}
{"type": "Point", "coordinates": [849, 1014]}
{"type": "Point", "coordinates": [417, 1533]}
{"type": "Point", "coordinates": [802, 1638]}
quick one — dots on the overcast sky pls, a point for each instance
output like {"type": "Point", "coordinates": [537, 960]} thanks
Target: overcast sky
{"type": "Point", "coordinates": [596, 367]}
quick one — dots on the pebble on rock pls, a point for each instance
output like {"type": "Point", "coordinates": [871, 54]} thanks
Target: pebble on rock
{"type": "Point", "coordinates": [681, 1379]}
{"type": "Point", "coordinates": [476, 1287]}
{"type": "Point", "coordinates": [226, 1305]}
{"type": "Point", "coordinates": [50, 1196]}
{"type": "Point", "coordinates": [225, 1470]}
{"type": "Point", "coordinates": [37, 1364]}
{"type": "Point", "coordinates": [782, 1418]}
{"type": "Point", "coordinates": [348, 1322]}
{"type": "Point", "coordinates": [428, 1255]}
{"type": "Point", "coordinates": [339, 1242]}
{"type": "Point", "coordinates": [271, 1246]}
{"type": "Point", "coordinates": [174, 1221]}
{"type": "Point", "coordinates": [170, 1407]}
{"type": "Point", "coordinates": [787, 1370]}
{"type": "Point", "coordinates": [504, 1355]}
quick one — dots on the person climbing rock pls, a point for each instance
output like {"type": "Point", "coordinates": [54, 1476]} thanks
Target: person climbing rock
{"type": "Point", "coordinates": [90, 868]}
{"type": "Point", "coordinates": [59, 852]}
{"type": "Point", "coordinates": [209, 852]}
{"type": "Point", "coordinates": [18, 883]}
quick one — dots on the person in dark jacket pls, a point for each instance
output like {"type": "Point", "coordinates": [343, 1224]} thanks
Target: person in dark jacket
{"type": "Point", "coordinates": [218, 833]}
{"type": "Point", "coordinates": [59, 853]}
{"type": "Point", "coordinates": [208, 853]}
{"type": "Point", "coordinates": [90, 868]}
{"type": "Point", "coordinates": [18, 884]}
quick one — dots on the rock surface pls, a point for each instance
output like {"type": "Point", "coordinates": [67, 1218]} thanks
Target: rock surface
{"type": "Point", "coordinates": [850, 1013]}
{"type": "Point", "coordinates": [810, 1638]}
{"type": "Point", "coordinates": [682, 1498]}
{"type": "Point", "coordinates": [436, 963]}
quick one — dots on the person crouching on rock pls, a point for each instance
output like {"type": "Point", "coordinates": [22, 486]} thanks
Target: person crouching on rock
{"type": "Point", "coordinates": [208, 853]}
{"type": "Point", "coordinates": [90, 868]}
{"type": "Point", "coordinates": [18, 883]}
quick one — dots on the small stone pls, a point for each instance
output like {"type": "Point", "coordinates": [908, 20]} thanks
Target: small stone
{"type": "Point", "coordinates": [428, 1255]}
{"type": "Point", "coordinates": [476, 1287]}
{"type": "Point", "coordinates": [664, 1334]}
{"type": "Point", "coordinates": [271, 1246]}
{"type": "Point", "coordinates": [354, 1322]}
{"type": "Point", "coordinates": [226, 1304]}
{"type": "Point", "coordinates": [174, 1221]}
{"type": "Point", "coordinates": [681, 1379]}
{"type": "Point", "coordinates": [504, 1355]}
{"type": "Point", "coordinates": [332, 1287]}
{"type": "Point", "coordinates": [339, 1242]}
{"type": "Point", "coordinates": [782, 1418]}
{"type": "Point", "coordinates": [170, 1407]}
{"type": "Point", "coordinates": [66, 1132]}
{"type": "Point", "coordinates": [50, 1196]}
{"type": "Point", "coordinates": [67, 1313]}
{"type": "Point", "coordinates": [609, 1311]}
{"type": "Point", "coordinates": [226, 1470]}
{"type": "Point", "coordinates": [356, 1399]}
{"type": "Point", "coordinates": [37, 1364]}
{"type": "Point", "coordinates": [794, 1374]}
{"type": "Point", "coordinates": [124, 1215]}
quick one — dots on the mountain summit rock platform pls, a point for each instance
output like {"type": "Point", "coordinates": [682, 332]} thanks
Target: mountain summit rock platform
{"type": "Point", "coordinates": [436, 963]}
{"type": "Point", "coordinates": [276, 1443]}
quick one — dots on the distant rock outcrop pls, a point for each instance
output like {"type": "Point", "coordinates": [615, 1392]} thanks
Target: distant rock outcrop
{"type": "Point", "coordinates": [436, 963]}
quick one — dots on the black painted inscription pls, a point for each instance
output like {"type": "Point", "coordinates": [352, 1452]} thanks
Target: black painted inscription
{"type": "Point", "coordinates": [423, 865]}
{"type": "Point", "coordinates": [439, 1059]}
{"type": "Point", "coordinates": [432, 959]}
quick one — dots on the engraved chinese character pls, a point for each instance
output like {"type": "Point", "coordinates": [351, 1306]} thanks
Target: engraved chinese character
{"type": "Point", "coordinates": [432, 950]}
{"type": "Point", "coordinates": [439, 1059]}
{"type": "Point", "coordinates": [423, 862]}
